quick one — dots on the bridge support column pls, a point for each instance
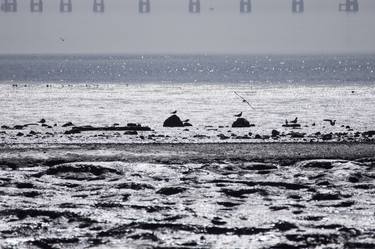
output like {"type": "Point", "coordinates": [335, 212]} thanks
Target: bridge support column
{"type": "Point", "coordinates": [36, 5]}
{"type": "Point", "coordinates": [194, 6]}
{"type": "Point", "coordinates": [66, 6]}
{"type": "Point", "coordinates": [245, 6]}
{"type": "Point", "coordinates": [98, 6]}
{"type": "Point", "coordinates": [144, 6]}
{"type": "Point", "coordinates": [9, 6]}
{"type": "Point", "coordinates": [298, 6]}
{"type": "Point", "coordinates": [349, 6]}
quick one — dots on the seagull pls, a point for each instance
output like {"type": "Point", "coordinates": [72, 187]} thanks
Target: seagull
{"type": "Point", "coordinates": [331, 122]}
{"type": "Point", "coordinates": [294, 121]}
{"type": "Point", "coordinates": [238, 115]}
{"type": "Point", "coordinates": [174, 112]}
{"type": "Point", "coordinates": [244, 100]}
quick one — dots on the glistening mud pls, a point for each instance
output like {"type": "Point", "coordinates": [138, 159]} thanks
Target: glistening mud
{"type": "Point", "coordinates": [188, 196]}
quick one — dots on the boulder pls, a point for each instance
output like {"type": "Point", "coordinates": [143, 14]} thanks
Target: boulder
{"type": "Point", "coordinates": [187, 124]}
{"type": "Point", "coordinates": [241, 122]}
{"type": "Point", "coordinates": [68, 124]}
{"type": "Point", "coordinates": [275, 133]}
{"type": "Point", "coordinates": [173, 121]}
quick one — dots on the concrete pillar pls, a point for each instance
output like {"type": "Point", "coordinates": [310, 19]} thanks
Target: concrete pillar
{"type": "Point", "coordinates": [98, 6]}
{"type": "Point", "coordinates": [245, 6]}
{"type": "Point", "coordinates": [144, 6]}
{"type": "Point", "coordinates": [349, 6]}
{"type": "Point", "coordinates": [194, 6]}
{"type": "Point", "coordinates": [9, 6]}
{"type": "Point", "coordinates": [66, 6]}
{"type": "Point", "coordinates": [36, 5]}
{"type": "Point", "coordinates": [298, 6]}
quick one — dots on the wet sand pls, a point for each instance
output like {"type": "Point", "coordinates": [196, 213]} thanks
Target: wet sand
{"type": "Point", "coordinates": [214, 195]}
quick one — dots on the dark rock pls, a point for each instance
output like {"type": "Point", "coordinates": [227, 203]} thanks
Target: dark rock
{"type": "Point", "coordinates": [5, 127]}
{"type": "Point", "coordinates": [19, 134]}
{"type": "Point", "coordinates": [327, 137]}
{"type": "Point", "coordinates": [173, 121]}
{"type": "Point", "coordinates": [171, 190]}
{"type": "Point", "coordinates": [368, 133]}
{"type": "Point", "coordinates": [241, 122]}
{"type": "Point", "coordinates": [257, 136]}
{"type": "Point", "coordinates": [297, 134]}
{"type": "Point", "coordinates": [275, 133]}
{"type": "Point", "coordinates": [133, 125]}
{"type": "Point", "coordinates": [72, 131]}
{"type": "Point", "coordinates": [130, 133]}
{"type": "Point", "coordinates": [42, 121]}
{"type": "Point", "coordinates": [18, 127]}
{"type": "Point", "coordinates": [68, 124]}
{"type": "Point", "coordinates": [187, 124]}
{"type": "Point", "coordinates": [222, 136]}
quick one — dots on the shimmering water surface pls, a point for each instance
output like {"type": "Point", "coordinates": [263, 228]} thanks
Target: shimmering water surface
{"type": "Point", "coordinates": [102, 90]}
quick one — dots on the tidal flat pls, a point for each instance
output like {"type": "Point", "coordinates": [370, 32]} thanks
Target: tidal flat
{"type": "Point", "coordinates": [214, 195]}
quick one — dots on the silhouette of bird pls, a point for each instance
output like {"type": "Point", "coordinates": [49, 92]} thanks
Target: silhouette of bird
{"type": "Point", "coordinates": [186, 120]}
{"type": "Point", "coordinates": [244, 100]}
{"type": "Point", "coordinates": [294, 121]}
{"type": "Point", "coordinates": [238, 115]}
{"type": "Point", "coordinates": [286, 121]}
{"type": "Point", "coordinates": [174, 112]}
{"type": "Point", "coordinates": [331, 122]}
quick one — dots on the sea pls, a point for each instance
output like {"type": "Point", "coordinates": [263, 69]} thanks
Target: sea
{"type": "Point", "coordinates": [102, 90]}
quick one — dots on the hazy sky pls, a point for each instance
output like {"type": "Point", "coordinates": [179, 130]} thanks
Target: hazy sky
{"type": "Point", "coordinates": [271, 27]}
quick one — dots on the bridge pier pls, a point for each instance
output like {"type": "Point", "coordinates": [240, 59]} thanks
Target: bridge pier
{"type": "Point", "coordinates": [298, 6]}
{"type": "Point", "coordinates": [66, 6]}
{"type": "Point", "coordinates": [9, 6]}
{"type": "Point", "coordinates": [144, 6]}
{"type": "Point", "coordinates": [36, 5]}
{"type": "Point", "coordinates": [98, 6]}
{"type": "Point", "coordinates": [245, 6]}
{"type": "Point", "coordinates": [194, 6]}
{"type": "Point", "coordinates": [349, 6]}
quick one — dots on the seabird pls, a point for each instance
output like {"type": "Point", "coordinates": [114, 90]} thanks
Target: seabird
{"type": "Point", "coordinates": [174, 112]}
{"type": "Point", "coordinates": [186, 120]}
{"type": "Point", "coordinates": [286, 121]}
{"type": "Point", "coordinates": [238, 115]}
{"type": "Point", "coordinates": [294, 121]}
{"type": "Point", "coordinates": [332, 122]}
{"type": "Point", "coordinates": [244, 100]}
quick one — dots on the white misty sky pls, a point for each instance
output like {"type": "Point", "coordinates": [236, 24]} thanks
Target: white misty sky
{"type": "Point", "coordinates": [170, 28]}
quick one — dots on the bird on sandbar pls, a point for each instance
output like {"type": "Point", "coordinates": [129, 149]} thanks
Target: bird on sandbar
{"type": "Point", "coordinates": [331, 122]}
{"type": "Point", "coordinates": [238, 115]}
{"type": "Point", "coordinates": [174, 112]}
{"type": "Point", "coordinates": [294, 121]}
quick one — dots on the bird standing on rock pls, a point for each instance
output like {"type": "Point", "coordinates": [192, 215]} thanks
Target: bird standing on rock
{"type": "Point", "coordinates": [331, 122]}
{"type": "Point", "coordinates": [174, 112]}
{"type": "Point", "coordinates": [238, 115]}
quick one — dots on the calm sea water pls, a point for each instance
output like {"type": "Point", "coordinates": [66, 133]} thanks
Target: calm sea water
{"type": "Point", "coordinates": [102, 90]}
{"type": "Point", "coordinates": [189, 69]}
